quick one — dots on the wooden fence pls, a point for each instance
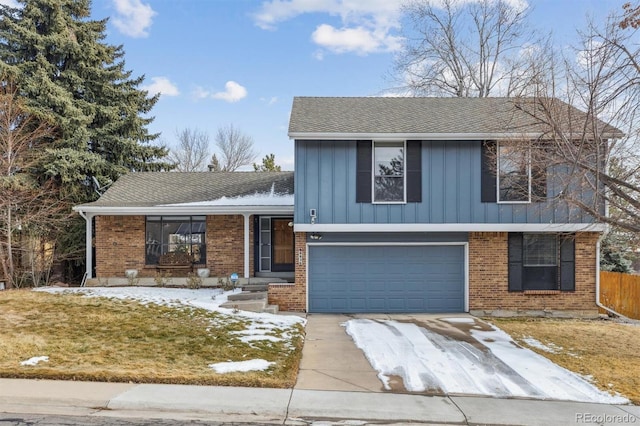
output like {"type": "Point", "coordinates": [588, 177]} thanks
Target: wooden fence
{"type": "Point", "coordinates": [620, 292]}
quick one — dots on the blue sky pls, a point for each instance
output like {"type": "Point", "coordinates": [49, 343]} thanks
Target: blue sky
{"type": "Point", "coordinates": [242, 61]}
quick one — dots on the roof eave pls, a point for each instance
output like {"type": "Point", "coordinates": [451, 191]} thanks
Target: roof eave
{"type": "Point", "coordinates": [180, 210]}
{"type": "Point", "coordinates": [417, 136]}
{"type": "Point", "coordinates": [426, 136]}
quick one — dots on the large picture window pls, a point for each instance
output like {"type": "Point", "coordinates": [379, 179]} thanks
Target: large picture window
{"type": "Point", "coordinates": [165, 234]}
{"type": "Point", "coordinates": [389, 172]}
{"type": "Point", "coordinates": [514, 173]}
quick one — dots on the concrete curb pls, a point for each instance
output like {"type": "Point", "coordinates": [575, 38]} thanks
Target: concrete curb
{"type": "Point", "coordinates": [294, 406]}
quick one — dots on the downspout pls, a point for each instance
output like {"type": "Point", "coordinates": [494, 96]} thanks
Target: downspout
{"type": "Point", "coordinates": [600, 305]}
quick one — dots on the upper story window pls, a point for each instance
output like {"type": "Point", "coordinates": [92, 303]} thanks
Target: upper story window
{"type": "Point", "coordinates": [175, 234]}
{"type": "Point", "coordinates": [389, 172]}
{"type": "Point", "coordinates": [514, 173]}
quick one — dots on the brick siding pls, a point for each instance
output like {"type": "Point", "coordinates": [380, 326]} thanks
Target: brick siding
{"type": "Point", "coordinates": [488, 279]}
{"type": "Point", "coordinates": [120, 245]}
{"type": "Point", "coordinates": [293, 297]}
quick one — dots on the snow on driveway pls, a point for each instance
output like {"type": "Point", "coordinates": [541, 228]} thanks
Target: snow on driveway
{"type": "Point", "coordinates": [482, 360]}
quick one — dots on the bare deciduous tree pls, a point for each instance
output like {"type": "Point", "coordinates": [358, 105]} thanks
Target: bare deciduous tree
{"type": "Point", "coordinates": [192, 151]}
{"type": "Point", "coordinates": [465, 49]}
{"type": "Point", "coordinates": [32, 214]}
{"type": "Point", "coordinates": [236, 148]}
{"type": "Point", "coordinates": [596, 149]}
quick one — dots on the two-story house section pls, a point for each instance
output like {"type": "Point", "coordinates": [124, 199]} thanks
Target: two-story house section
{"type": "Point", "coordinates": [432, 205]}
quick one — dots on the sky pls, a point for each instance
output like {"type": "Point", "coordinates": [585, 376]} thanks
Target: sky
{"type": "Point", "coordinates": [241, 62]}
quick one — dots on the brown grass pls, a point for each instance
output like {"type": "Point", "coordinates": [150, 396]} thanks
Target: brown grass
{"type": "Point", "coordinates": [124, 341]}
{"type": "Point", "coordinates": [606, 350]}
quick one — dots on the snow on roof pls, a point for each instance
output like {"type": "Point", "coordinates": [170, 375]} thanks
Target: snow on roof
{"type": "Point", "coordinates": [257, 199]}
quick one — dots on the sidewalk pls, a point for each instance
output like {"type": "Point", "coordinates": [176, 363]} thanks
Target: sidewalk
{"type": "Point", "coordinates": [293, 406]}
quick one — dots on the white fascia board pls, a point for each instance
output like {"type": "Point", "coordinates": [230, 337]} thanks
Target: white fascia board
{"type": "Point", "coordinates": [415, 136]}
{"type": "Point", "coordinates": [184, 210]}
{"type": "Point", "coordinates": [450, 227]}
{"type": "Point", "coordinates": [409, 136]}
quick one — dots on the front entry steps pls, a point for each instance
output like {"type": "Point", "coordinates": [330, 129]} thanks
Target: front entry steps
{"type": "Point", "coordinates": [253, 298]}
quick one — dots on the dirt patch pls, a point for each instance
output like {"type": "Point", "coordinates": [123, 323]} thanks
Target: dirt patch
{"type": "Point", "coordinates": [454, 330]}
{"type": "Point", "coordinates": [603, 350]}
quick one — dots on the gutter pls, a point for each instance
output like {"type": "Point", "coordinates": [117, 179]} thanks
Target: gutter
{"type": "Point", "coordinates": [600, 305]}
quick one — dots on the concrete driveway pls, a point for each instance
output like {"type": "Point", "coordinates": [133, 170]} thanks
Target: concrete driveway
{"type": "Point", "coordinates": [331, 360]}
{"type": "Point", "coordinates": [443, 354]}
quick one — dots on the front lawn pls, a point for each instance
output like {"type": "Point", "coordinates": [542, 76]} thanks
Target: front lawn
{"type": "Point", "coordinates": [152, 340]}
{"type": "Point", "coordinates": [605, 351]}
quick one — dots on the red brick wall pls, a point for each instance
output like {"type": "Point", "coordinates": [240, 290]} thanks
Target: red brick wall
{"type": "Point", "coordinates": [293, 297]}
{"type": "Point", "coordinates": [225, 245]}
{"type": "Point", "coordinates": [488, 278]}
{"type": "Point", "coordinates": [120, 245]}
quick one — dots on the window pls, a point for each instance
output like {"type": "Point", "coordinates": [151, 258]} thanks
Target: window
{"type": "Point", "coordinates": [540, 250]}
{"type": "Point", "coordinates": [541, 262]}
{"type": "Point", "coordinates": [389, 174]}
{"type": "Point", "coordinates": [514, 173]}
{"type": "Point", "coordinates": [165, 234]}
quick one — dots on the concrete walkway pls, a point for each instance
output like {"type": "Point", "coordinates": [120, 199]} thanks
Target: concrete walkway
{"type": "Point", "coordinates": [293, 406]}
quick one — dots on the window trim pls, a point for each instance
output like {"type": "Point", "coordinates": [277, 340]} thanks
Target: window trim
{"type": "Point", "coordinates": [403, 143]}
{"type": "Point", "coordinates": [529, 195]}
{"type": "Point", "coordinates": [174, 218]}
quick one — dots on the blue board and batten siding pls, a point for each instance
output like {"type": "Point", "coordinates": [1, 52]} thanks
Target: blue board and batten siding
{"type": "Point", "coordinates": [325, 180]}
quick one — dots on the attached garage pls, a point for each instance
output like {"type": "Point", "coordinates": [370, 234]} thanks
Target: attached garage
{"type": "Point", "coordinates": [386, 278]}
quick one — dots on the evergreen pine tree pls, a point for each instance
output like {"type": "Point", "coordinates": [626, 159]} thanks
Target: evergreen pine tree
{"type": "Point", "coordinates": [68, 74]}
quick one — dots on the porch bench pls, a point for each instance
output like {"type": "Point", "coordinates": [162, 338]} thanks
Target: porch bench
{"type": "Point", "coordinates": [175, 261]}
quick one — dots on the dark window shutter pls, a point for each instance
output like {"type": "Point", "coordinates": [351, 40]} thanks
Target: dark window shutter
{"type": "Point", "coordinates": [414, 171]}
{"type": "Point", "coordinates": [515, 261]}
{"type": "Point", "coordinates": [488, 191]}
{"type": "Point", "coordinates": [568, 263]}
{"type": "Point", "coordinates": [363, 171]}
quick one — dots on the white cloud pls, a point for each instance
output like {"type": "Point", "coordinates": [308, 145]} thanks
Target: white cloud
{"type": "Point", "coordinates": [200, 93]}
{"type": "Point", "coordinates": [163, 86]}
{"type": "Point", "coordinates": [367, 26]}
{"type": "Point", "coordinates": [233, 92]}
{"type": "Point", "coordinates": [357, 40]}
{"type": "Point", "coordinates": [133, 17]}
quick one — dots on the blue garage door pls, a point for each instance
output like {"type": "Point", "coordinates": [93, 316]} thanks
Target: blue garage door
{"type": "Point", "coordinates": [351, 279]}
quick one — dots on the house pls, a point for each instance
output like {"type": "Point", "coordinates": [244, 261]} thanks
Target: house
{"type": "Point", "coordinates": [400, 205]}
{"type": "Point", "coordinates": [228, 222]}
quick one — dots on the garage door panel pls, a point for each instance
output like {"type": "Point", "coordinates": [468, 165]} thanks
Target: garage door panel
{"type": "Point", "coordinates": [354, 279]}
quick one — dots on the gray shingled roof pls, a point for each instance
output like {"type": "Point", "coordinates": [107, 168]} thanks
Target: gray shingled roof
{"type": "Point", "coordinates": [414, 115]}
{"type": "Point", "coordinates": [144, 189]}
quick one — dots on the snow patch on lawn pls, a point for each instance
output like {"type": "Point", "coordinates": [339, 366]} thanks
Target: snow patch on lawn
{"type": "Point", "coordinates": [242, 366]}
{"type": "Point", "coordinates": [494, 365]}
{"type": "Point", "coordinates": [35, 360]}
{"type": "Point", "coordinates": [258, 326]}
{"type": "Point", "coordinates": [552, 348]}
